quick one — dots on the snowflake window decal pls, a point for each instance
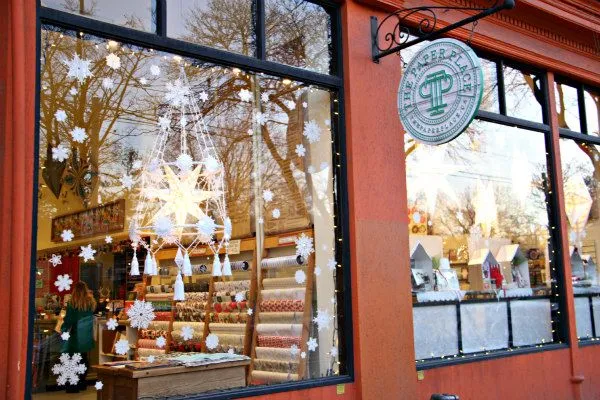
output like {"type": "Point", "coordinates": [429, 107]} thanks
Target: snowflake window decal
{"type": "Point", "coordinates": [69, 369]}
{"type": "Point", "coordinates": [141, 314]}
{"type": "Point", "coordinates": [304, 246]}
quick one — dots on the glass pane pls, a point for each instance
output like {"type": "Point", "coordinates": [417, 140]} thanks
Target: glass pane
{"type": "Point", "coordinates": [489, 101]}
{"type": "Point", "coordinates": [197, 203]}
{"type": "Point", "coordinates": [583, 318]}
{"type": "Point", "coordinates": [567, 107]}
{"type": "Point", "coordinates": [298, 34]}
{"type": "Point", "coordinates": [478, 226]}
{"type": "Point", "coordinates": [435, 330]}
{"type": "Point", "coordinates": [524, 96]}
{"type": "Point", "coordinates": [530, 321]}
{"type": "Point", "coordinates": [592, 111]}
{"type": "Point", "coordinates": [136, 14]}
{"type": "Point", "coordinates": [222, 24]}
{"type": "Point", "coordinates": [483, 327]}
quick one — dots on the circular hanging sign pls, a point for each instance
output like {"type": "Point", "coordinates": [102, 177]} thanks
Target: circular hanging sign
{"type": "Point", "coordinates": [440, 91]}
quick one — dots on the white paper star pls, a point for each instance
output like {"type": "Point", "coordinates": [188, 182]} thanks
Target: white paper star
{"type": "Point", "coordinates": [312, 131]}
{"type": "Point", "coordinates": [60, 153]}
{"type": "Point", "coordinates": [260, 118]}
{"type": "Point", "coordinates": [111, 324]}
{"type": "Point", "coordinates": [250, 311]}
{"type": "Point", "coordinates": [78, 134]}
{"type": "Point", "coordinates": [63, 282]}
{"type": "Point", "coordinates": [60, 115]}
{"type": "Point", "coordinates": [65, 336]}
{"type": "Point", "coordinates": [334, 351]}
{"type": "Point", "coordinates": [164, 123]}
{"type": "Point", "coordinates": [323, 319]}
{"type": "Point", "coordinates": [187, 332]}
{"type": "Point", "coordinates": [245, 95]}
{"type": "Point", "coordinates": [99, 385]}
{"type": "Point", "coordinates": [108, 239]}
{"type": "Point", "coordinates": [267, 195]}
{"type": "Point", "coordinates": [240, 296]}
{"type": "Point", "coordinates": [300, 276]}
{"type": "Point", "coordinates": [78, 68]}
{"type": "Point", "coordinates": [304, 245]}
{"type": "Point", "coordinates": [122, 347]}
{"type": "Point", "coordinates": [294, 350]}
{"type": "Point", "coordinates": [87, 253]}
{"type": "Point", "coordinates": [304, 104]}
{"type": "Point", "coordinates": [276, 213]}
{"type": "Point", "coordinates": [177, 93]}
{"type": "Point", "coordinates": [303, 354]}
{"type": "Point", "coordinates": [161, 342]}
{"type": "Point", "coordinates": [312, 344]}
{"type": "Point", "coordinates": [203, 95]}
{"type": "Point", "coordinates": [113, 61]}
{"type": "Point", "coordinates": [331, 264]}
{"type": "Point", "coordinates": [150, 359]}
{"type": "Point", "coordinates": [55, 260]}
{"type": "Point", "coordinates": [140, 314]}
{"type": "Point", "coordinates": [67, 235]}
{"type": "Point", "coordinates": [300, 150]}
{"type": "Point", "coordinates": [212, 341]}
{"type": "Point", "coordinates": [155, 70]}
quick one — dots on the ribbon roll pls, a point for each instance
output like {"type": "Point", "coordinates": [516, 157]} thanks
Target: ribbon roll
{"type": "Point", "coordinates": [280, 317]}
{"type": "Point", "coordinates": [280, 283]}
{"type": "Point", "coordinates": [279, 329]}
{"type": "Point", "coordinates": [284, 294]}
{"type": "Point", "coordinates": [282, 262]}
{"type": "Point", "coordinates": [263, 377]}
{"type": "Point", "coordinates": [276, 366]}
{"type": "Point", "coordinates": [278, 341]}
{"type": "Point", "coordinates": [282, 305]}
{"type": "Point", "coordinates": [275, 353]}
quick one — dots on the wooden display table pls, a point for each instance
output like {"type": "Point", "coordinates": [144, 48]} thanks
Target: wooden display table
{"type": "Point", "coordinates": [128, 384]}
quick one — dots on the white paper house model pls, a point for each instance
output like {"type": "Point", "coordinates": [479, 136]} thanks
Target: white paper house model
{"type": "Point", "coordinates": [422, 268]}
{"type": "Point", "coordinates": [515, 267]}
{"type": "Point", "coordinates": [480, 262]}
{"type": "Point", "coordinates": [577, 270]}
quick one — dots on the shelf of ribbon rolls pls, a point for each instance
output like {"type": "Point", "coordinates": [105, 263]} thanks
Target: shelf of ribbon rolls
{"type": "Point", "coordinates": [281, 319]}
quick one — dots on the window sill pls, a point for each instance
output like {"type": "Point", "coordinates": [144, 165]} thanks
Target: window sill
{"type": "Point", "coordinates": [475, 357]}
{"type": "Point", "coordinates": [588, 342]}
{"type": "Point", "coordinates": [252, 391]}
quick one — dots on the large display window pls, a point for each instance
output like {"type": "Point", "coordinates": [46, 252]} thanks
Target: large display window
{"type": "Point", "coordinates": [189, 223]}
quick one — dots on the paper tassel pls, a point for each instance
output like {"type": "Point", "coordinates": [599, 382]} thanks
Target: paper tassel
{"type": "Point", "coordinates": [179, 293]}
{"type": "Point", "coordinates": [187, 265]}
{"type": "Point", "coordinates": [179, 258]}
{"type": "Point", "coordinates": [226, 266]}
{"type": "Point", "coordinates": [217, 266]}
{"type": "Point", "coordinates": [135, 265]}
{"type": "Point", "coordinates": [148, 264]}
{"type": "Point", "coordinates": [154, 266]}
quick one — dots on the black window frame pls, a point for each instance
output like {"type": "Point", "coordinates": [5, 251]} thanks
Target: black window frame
{"type": "Point", "coordinates": [558, 278]}
{"type": "Point", "coordinates": [159, 41]}
{"type": "Point", "coordinates": [583, 137]}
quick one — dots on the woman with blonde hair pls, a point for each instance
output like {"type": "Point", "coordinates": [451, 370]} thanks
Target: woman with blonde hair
{"type": "Point", "coordinates": [79, 322]}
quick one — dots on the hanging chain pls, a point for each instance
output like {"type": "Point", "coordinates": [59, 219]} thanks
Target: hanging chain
{"type": "Point", "coordinates": [471, 34]}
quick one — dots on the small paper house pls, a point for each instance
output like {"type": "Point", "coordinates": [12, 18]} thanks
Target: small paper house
{"type": "Point", "coordinates": [447, 278]}
{"type": "Point", "coordinates": [577, 269]}
{"type": "Point", "coordinates": [480, 263]}
{"type": "Point", "coordinates": [515, 267]}
{"type": "Point", "coordinates": [422, 268]}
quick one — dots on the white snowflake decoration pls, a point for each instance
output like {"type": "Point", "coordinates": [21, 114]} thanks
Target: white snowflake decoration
{"type": "Point", "coordinates": [111, 324]}
{"type": "Point", "coordinates": [267, 196]}
{"type": "Point", "coordinates": [317, 271]}
{"type": "Point", "coordinates": [126, 181]}
{"type": "Point", "coordinates": [63, 282]}
{"type": "Point", "coordinates": [300, 276]}
{"type": "Point", "coordinates": [78, 134]}
{"type": "Point", "coordinates": [276, 213]}
{"type": "Point", "coordinates": [150, 359]}
{"type": "Point", "coordinates": [304, 104]}
{"type": "Point", "coordinates": [303, 354]}
{"type": "Point", "coordinates": [155, 70]}
{"type": "Point", "coordinates": [203, 96]}
{"type": "Point", "coordinates": [245, 95]}
{"type": "Point", "coordinates": [60, 153]}
{"type": "Point", "coordinates": [240, 296]}
{"type": "Point", "coordinates": [206, 226]}
{"type": "Point", "coordinates": [108, 239]}
{"type": "Point", "coordinates": [212, 341]}
{"type": "Point", "coordinates": [290, 104]}
{"type": "Point", "coordinates": [73, 91]}
{"type": "Point", "coordinates": [163, 226]}
{"type": "Point", "coordinates": [294, 350]}
{"type": "Point", "coordinates": [264, 97]}
{"type": "Point", "coordinates": [312, 131]}
{"type": "Point", "coordinates": [331, 264]}
{"type": "Point", "coordinates": [304, 245]}
{"type": "Point", "coordinates": [164, 123]}
{"type": "Point", "coordinates": [65, 336]}
{"type": "Point", "coordinates": [312, 344]}
{"type": "Point", "coordinates": [334, 351]}
{"type": "Point", "coordinates": [55, 259]}
{"type": "Point", "coordinates": [69, 369]}
{"type": "Point", "coordinates": [250, 311]}
{"type": "Point", "coordinates": [98, 385]}
{"type": "Point", "coordinates": [60, 115]}
{"type": "Point", "coordinates": [140, 314]}
{"type": "Point", "coordinates": [300, 150]}
{"type": "Point", "coordinates": [113, 61]}
{"type": "Point", "coordinates": [260, 118]}
{"type": "Point", "coordinates": [87, 253]}
{"type": "Point", "coordinates": [187, 332]}
{"type": "Point", "coordinates": [323, 319]}
{"type": "Point", "coordinates": [184, 162]}
{"type": "Point", "coordinates": [78, 68]}
{"type": "Point", "coordinates": [177, 93]}
{"type": "Point", "coordinates": [67, 235]}
{"type": "Point", "coordinates": [161, 342]}
{"type": "Point", "coordinates": [122, 347]}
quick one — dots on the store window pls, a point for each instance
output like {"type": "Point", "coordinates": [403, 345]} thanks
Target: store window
{"type": "Point", "coordinates": [481, 244]}
{"type": "Point", "coordinates": [197, 204]}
